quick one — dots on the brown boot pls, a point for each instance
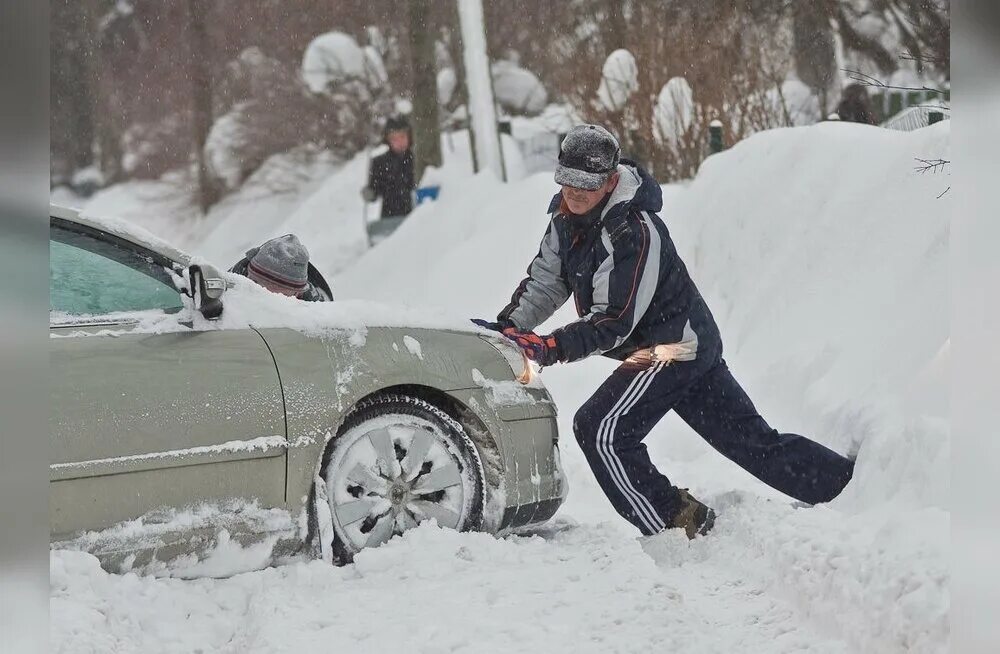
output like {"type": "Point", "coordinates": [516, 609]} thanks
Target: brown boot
{"type": "Point", "coordinates": [694, 518]}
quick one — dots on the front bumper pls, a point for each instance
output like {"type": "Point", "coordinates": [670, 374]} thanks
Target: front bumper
{"type": "Point", "coordinates": [531, 482]}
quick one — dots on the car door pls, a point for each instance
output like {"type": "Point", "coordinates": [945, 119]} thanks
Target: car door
{"type": "Point", "coordinates": [147, 411]}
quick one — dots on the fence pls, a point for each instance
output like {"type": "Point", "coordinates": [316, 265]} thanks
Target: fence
{"type": "Point", "coordinates": [915, 118]}
{"type": "Point", "coordinates": [891, 102]}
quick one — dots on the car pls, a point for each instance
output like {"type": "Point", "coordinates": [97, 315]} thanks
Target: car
{"type": "Point", "coordinates": [185, 418]}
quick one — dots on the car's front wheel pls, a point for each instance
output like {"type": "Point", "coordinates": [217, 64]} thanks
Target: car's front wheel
{"type": "Point", "coordinates": [396, 462]}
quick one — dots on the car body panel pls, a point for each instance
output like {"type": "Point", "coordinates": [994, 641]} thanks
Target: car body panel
{"type": "Point", "coordinates": [116, 431]}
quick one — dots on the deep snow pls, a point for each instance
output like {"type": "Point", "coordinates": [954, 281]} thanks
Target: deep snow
{"type": "Point", "coordinates": [823, 255]}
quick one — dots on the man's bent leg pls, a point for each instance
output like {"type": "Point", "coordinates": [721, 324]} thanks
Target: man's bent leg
{"type": "Point", "coordinates": [610, 427]}
{"type": "Point", "coordinates": [720, 411]}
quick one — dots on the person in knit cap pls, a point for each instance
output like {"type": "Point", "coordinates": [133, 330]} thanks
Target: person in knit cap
{"type": "Point", "coordinates": [282, 266]}
{"type": "Point", "coordinates": [606, 247]}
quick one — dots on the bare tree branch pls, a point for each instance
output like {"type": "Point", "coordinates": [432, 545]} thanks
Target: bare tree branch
{"type": "Point", "coordinates": [922, 57]}
{"type": "Point", "coordinates": [868, 80]}
{"type": "Point", "coordinates": [931, 165]}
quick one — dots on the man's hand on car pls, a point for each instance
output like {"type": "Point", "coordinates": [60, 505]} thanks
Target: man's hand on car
{"type": "Point", "coordinates": [543, 350]}
{"type": "Point", "coordinates": [498, 326]}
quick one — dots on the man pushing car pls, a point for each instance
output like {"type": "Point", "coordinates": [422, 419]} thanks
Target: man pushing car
{"type": "Point", "coordinates": [606, 246]}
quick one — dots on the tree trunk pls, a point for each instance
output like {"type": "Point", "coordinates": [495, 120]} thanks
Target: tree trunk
{"type": "Point", "coordinates": [616, 29]}
{"type": "Point", "coordinates": [81, 91]}
{"type": "Point", "coordinates": [425, 122]}
{"type": "Point", "coordinates": [103, 99]}
{"type": "Point", "coordinates": [201, 102]}
{"type": "Point", "coordinates": [814, 49]}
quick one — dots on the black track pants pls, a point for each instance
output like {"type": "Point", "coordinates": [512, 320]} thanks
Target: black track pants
{"type": "Point", "coordinates": [611, 425]}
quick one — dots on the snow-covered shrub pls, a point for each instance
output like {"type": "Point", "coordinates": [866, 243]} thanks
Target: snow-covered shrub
{"type": "Point", "coordinates": [335, 58]}
{"type": "Point", "coordinates": [267, 108]}
{"type": "Point", "coordinates": [674, 111]}
{"type": "Point", "coordinates": [269, 111]}
{"type": "Point", "coordinates": [796, 102]}
{"type": "Point", "coordinates": [517, 90]}
{"type": "Point", "coordinates": [447, 81]}
{"type": "Point", "coordinates": [350, 84]}
{"type": "Point", "coordinates": [151, 149]}
{"type": "Point", "coordinates": [619, 80]}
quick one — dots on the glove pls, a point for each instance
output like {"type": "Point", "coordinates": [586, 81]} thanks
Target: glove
{"type": "Point", "coordinates": [498, 326]}
{"type": "Point", "coordinates": [543, 350]}
{"type": "Point", "coordinates": [368, 193]}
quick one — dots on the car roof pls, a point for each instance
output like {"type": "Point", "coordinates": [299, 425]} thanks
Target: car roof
{"type": "Point", "coordinates": [121, 229]}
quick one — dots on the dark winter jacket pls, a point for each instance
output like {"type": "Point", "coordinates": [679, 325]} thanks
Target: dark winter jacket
{"type": "Point", "coordinates": [316, 290]}
{"type": "Point", "coordinates": [631, 288]}
{"type": "Point", "coordinates": [391, 177]}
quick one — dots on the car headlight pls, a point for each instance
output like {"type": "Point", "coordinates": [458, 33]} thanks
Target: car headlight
{"type": "Point", "coordinates": [522, 367]}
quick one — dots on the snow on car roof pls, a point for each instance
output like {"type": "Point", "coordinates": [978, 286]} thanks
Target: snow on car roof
{"type": "Point", "coordinates": [122, 229]}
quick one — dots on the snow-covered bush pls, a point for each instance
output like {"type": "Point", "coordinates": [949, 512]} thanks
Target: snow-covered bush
{"type": "Point", "coordinates": [269, 111]}
{"type": "Point", "coordinates": [619, 80]}
{"type": "Point", "coordinates": [674, 111]}
{"type": "Point", "coordinates": [268, 107]}
{"type": "Point", "coordinates": [517, 90]}
{"type": "Point", "coordinates": [334, 59]}
{"type": "Point", "coordinates": [447, 81]}
{"type": "Point", "coordinates": [150, 149]}
{"type": "Point", "coordinates": [350, 83]}
{"type": "Point", "coordinates": [796, 101]}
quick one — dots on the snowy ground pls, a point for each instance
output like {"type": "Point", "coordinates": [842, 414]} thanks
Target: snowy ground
{"type": "Point", "coordinates": [824, 257]}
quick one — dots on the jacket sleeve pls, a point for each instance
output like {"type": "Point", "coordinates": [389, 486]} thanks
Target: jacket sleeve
{"type": "Point", "coordinates": [544, 289]}
{"type": "Point", "coordinates": [375, 176]}
{"type": "Point", "coordinates": [624, 285]}
{"type": "Point", "coordinates": [411, 182]}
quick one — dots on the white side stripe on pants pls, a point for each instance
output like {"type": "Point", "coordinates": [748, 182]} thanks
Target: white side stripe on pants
{"type": "Point", "coordinates": [605, 447]}
{"type": "Point", "coordinates": [658, 522]}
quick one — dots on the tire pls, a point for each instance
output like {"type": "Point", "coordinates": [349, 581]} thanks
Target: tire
{"type": "Point", "coordinates": [433, 470]}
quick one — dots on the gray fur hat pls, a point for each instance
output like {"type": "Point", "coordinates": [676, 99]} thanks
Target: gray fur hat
{"type": "Point", "coordinates": [587, 157]}
{"type": "Point", "coordinates": [280, 264]}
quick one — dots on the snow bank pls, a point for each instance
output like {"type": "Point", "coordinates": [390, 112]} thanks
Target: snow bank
{"type": "Point", "coordinates": [829, 278]}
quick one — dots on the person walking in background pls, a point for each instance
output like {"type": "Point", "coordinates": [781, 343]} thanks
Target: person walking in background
{"type": "Point", "coordinates": [856, 106]}
{"type": "Point", "coordinates": [391, 175]}
{"type": "Point", "coordinates": [606, 246]}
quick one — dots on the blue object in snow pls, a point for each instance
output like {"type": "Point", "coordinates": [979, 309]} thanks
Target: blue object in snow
{"type": "Point", "coordinates": [427, 193]}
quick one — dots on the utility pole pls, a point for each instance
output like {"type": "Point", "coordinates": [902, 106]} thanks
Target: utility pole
{"type": "Point", "coordinates": [479, 82]}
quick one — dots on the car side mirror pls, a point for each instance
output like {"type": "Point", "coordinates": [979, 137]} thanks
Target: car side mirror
{"type": "Point", "coordinates": [207, 286]}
